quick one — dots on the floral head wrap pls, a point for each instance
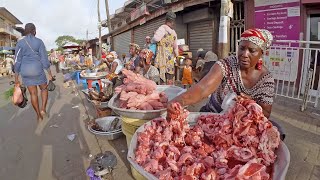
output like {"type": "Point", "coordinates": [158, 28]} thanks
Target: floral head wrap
{"type": "Point", "coordinates": [260, 37]}
{"type": "Point", "coordinates": [110, 56]}
{"type": "Point", "coordinates": [137, 47]}
{"type": "Point", "coordinates": [146, 54]}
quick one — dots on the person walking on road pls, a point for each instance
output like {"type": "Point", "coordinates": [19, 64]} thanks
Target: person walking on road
{"type": "Point", "coordinates": [167, 49]}
{"type": "Point", "coordinates": [9, 65]}
{"type": "Point", "coordinates": [31, 61]}
{"type": "Point", "coordinates": [54, 60]}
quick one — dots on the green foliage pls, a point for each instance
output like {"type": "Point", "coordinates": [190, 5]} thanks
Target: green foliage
{"type": "Point", "coordinates": [62, 40]}
{"type": "Point", "coordinates": [8, 93]}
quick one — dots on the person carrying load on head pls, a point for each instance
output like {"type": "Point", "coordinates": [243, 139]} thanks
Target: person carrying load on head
{"type": "Point", "coordinates": [167, 49]}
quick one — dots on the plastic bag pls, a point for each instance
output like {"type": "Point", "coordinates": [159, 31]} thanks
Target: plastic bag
{"type": "Point", "coordinates": [17, 97]}
{"type": "Point", "coordinates": [51, 86]}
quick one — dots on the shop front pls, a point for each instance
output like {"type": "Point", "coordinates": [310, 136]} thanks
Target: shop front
{"type": "Point", "coordinates": [294, 57]}
{"type": "Point", "coordinates": [121, 43]}
{"type": "Point", "coordinates": [311, 12]}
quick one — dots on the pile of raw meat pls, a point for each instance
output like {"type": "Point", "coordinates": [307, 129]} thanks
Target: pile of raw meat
{"type": "Point", "coordinates": [139, 93]}
{"type": "Point", "coordinates": [237, 145]}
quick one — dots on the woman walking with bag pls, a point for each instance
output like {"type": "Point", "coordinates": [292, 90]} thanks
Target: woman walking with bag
{"type": "Point", "coordinates": [31, 60]}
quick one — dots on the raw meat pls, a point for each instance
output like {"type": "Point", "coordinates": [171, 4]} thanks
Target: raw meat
{"type": "Point", "coordinates": [239, 144]}
{"type": "Point", "coordinates": [140, 93]}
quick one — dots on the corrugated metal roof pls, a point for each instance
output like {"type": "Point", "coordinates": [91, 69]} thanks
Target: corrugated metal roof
{"type": "Point", "coordinates": [9, 15]}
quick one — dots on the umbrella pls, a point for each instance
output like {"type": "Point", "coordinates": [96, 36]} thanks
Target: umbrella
{"type": "Point", "coordinates": [71, 45]}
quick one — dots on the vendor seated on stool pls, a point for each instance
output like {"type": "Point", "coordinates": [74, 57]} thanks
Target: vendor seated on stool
{"type": "Point", "coordinates": [115, 66]}
{"type": "Point", "coordinates": [187, 74]}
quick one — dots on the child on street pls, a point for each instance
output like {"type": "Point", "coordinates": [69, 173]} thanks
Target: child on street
{"type": "Point", "coordinates": [187, 74]}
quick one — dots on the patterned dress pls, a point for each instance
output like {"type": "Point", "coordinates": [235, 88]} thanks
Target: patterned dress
{"type": "Point", "coordinates": [261, 92]}
{"type": "Point", "coordinates": [166, 52]}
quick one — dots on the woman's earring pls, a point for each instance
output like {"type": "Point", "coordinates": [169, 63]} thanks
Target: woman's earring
{"type": "Point", "coordinates": [259, 64]}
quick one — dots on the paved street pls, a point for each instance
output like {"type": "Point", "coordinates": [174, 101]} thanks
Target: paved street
{"type": "Point", "coordinates": [25, 155]}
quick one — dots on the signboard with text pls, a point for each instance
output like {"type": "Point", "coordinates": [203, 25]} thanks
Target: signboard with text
{"type": "Point", "coordinates": [282, 19]}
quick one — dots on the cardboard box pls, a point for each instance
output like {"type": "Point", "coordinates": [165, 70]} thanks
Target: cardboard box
{"type": "Point", "coordinates": [187, 54]}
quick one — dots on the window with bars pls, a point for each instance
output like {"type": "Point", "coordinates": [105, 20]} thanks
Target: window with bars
{"type": "Point", "coordinates": [237, 25]}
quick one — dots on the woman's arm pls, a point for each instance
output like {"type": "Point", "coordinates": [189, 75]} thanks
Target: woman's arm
{"type": "Point", "coordinates": [201, 90]}
{"type": "Point", "coordinates": [266, 109]}
{"type": "Point", "coordinates": [17, 64]}
{"type": "Point", "coordinates": [158, 35]}
{"type": "Point", "coordinates": [44, 59]}
{"type": "Point", "coordinates": [113, 67]}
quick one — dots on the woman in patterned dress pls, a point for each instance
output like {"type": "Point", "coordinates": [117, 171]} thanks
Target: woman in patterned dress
{"type": "Point", "coordinates": [243, 74]}
{"type": "Point", "coordinates": [167, 50]}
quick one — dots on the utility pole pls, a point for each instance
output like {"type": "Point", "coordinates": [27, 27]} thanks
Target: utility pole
{"type": "Point", "coordinates": [108, 20]}
{"type": "Point", "coordinates": [224, 30]}
{"type": "Point", "coordinates": [87, 35]}
{"type": "Point", "coordinates": [99, 27]}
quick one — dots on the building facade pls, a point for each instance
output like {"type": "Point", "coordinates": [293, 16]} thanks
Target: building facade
{"type": "Point", "coordinates": [197, 22]}
{"type": "Point", "coordinates": [8, 30]}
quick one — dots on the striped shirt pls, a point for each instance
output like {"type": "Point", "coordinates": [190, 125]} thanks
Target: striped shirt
{"type": "Point", "coordinates": [261, 92]}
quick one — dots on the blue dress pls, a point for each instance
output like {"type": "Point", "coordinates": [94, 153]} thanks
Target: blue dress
{"type": "Point", "coordinates": [31, 61]}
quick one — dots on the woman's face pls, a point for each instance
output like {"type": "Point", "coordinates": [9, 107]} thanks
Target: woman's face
{"type": "Point", "coordinates": [248, 54]}
{"type": "Point", "coordinates": [132, 51]}
{"type": "Point", "coordinates": [109, 60]}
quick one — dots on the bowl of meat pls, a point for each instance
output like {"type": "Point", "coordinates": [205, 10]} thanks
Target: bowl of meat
{"type": "Point", "coordinates": [140, 98]}
{"type": "Point", "coordinates": [99, 99]}
{"type": "Point", "coordinates": [237, 144]}
{"type": "Point", "coordinates": [109, 126]}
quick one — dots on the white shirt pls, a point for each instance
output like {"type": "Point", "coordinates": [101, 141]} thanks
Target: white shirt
{"type": "Point", "coordinates": [119, 67]}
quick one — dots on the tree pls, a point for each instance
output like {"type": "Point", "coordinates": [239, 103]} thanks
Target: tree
{"type": "Point", "coordinates": [62, 40]}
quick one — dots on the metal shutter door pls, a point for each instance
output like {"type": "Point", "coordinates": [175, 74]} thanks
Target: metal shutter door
{"type": "Point", "coordinates": [121, 43]}
{"type": "Point", "coordinates": [200, 36]}
{"type": "Point", "coordinates": [147, 29]}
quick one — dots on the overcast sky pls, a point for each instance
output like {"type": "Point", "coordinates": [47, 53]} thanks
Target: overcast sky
{"type": "Point", "coordinates": [61, 17]}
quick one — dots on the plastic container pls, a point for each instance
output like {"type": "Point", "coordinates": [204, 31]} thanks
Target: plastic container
{"type": "Point", "coordinates": [128, 130]}
{"type": "Point", "coordinates": [134, 122]}
{"type": "Point", "coordinates": [280, 166]}
{"type": "Point", "coordinates": [136, 174]}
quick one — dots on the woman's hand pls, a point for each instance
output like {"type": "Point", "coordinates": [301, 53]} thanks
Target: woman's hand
{"type": "Point", "coordinates": [51, 78]}
{"type": "Point", "coordinates": [170, 107]}
{"type": "Point", "coordinates": [17, 82]}
{"type": "Point", "coordinates": [245, 96]}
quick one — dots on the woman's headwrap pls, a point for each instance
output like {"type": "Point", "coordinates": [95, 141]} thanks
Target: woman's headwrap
{"type": "Point", "coordinates": [137, 47]}
{"type": "Point", "coordinates": [115, 55]}
{"type": "Point", "coordinates": [146, 54]}
{"type": "Point", "coordinates": [112, 55]}
{"type": "Point", "coordinates": [260, 37]}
